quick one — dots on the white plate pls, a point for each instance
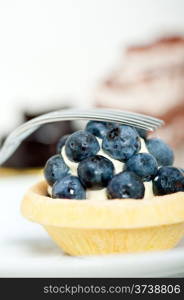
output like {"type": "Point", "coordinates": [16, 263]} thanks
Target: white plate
{"type": "Point", "coordinates": [27, 251]}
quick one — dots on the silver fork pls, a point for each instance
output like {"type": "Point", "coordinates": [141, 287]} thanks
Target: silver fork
{"type": "Point", "coordinates": [124, 117]}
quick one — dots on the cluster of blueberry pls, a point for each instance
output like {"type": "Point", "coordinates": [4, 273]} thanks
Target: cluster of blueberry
{"type": "Point", "coordinates": [95, 171]}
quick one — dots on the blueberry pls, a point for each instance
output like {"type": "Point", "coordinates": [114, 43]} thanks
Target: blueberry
{"type": "Point", "coordinates": [125, 185]}
{"type": "Point", "coordinates": [97, 128]}
{"type": "Point", "coordinates": [95, 172]}
{"type": "Point", "coordinates": [168, 180]}
{"type": "Point", "coordinates": [69, 187]}
{"type": "Point", "coordinates": [80, 145]}
{"type": "Point", "coordinates": [142, 133]}
{"type": "Point", "coordinates": [121, 142]}
{"type": "Point", "coordinates": [144, 165]}
{"type": "Point", "coordinates": [55, 169]}
{"type": "Point", "coordinates": [161, 151]}
{"type": "Point", "coordinates": [61, 143]}
{"type": "Point", "coordinates": [111, 125]}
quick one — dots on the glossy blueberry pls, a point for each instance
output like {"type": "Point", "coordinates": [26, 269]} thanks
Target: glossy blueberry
{"type": "Point", "coordinates": [61, 143]}
{"type": "Point", "coordinates": [168, 180]}
{"type": "Point", "coordinates": [161, 151]}
{"type": "Point", "coordinates": [144, 165]}
{"type": "Point", "coordinates": [121, 142]}
{"type": "Point", "coordinates": [80, 145]}
{"type": "Point", "coordinates": [125, 185]}
{"type": "Point", "coordinates": [55, 169]}
{"type": "Point", "coordinates": [69, 187]}
{"type": "Point", "coordinates": [142, 133]}
{"type": "Point", "coordinates": [95, 172]}
{"type": "Point", "coordinates": [97, 128]}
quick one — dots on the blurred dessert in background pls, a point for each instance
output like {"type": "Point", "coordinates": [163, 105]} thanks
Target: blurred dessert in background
{"type": "Point", "coordinates": [150, 79]}
{"type": "Point", "coordinates": [38, 147]}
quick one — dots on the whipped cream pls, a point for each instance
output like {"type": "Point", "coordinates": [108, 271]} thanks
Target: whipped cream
{"type": "Point", "coordinates": [118, 165]}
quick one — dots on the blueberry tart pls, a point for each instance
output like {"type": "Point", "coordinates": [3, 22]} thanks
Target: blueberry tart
{"type": "Point", "coordinates": [109, 190]}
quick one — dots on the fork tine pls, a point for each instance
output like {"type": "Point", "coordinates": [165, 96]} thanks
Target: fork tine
{"type": "Point", "coordinates": [105, 117]}
{"type": "Point", "coordinates": [138, 120]}
{"type": "Point", "coordinates": [131, 121]}
{"type": "Point", "coordinates": [110, 117]}
{"type": "Point", "coordinates": [127, 115]}
{"type": "Point", "coordinates": [99, 116]}
{"type": "Point", "coordinates": [136, 116]}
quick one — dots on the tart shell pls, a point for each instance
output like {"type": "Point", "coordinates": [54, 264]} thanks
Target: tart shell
{"type": "Point", "coordinates": [84, 227]}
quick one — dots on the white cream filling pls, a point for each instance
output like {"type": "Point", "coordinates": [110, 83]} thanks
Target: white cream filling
{"type": "Point", "coordinates": [101, 194]}
{"type": "Point", "coordinates": [49, 190]}
{"type": "Point", "coordinates": [71, 164]}
{"type": "Point", "coordinates": [118, 165]}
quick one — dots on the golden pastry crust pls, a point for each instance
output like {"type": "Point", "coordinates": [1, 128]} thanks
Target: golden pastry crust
{"type": "Point", "coordinates": [86, 227]}
{"type": "Point", "coordinates": [120, 213]}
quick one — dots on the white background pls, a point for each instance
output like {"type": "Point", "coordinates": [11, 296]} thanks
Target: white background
{"type": "Point", "coordinates": [58, 49]}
